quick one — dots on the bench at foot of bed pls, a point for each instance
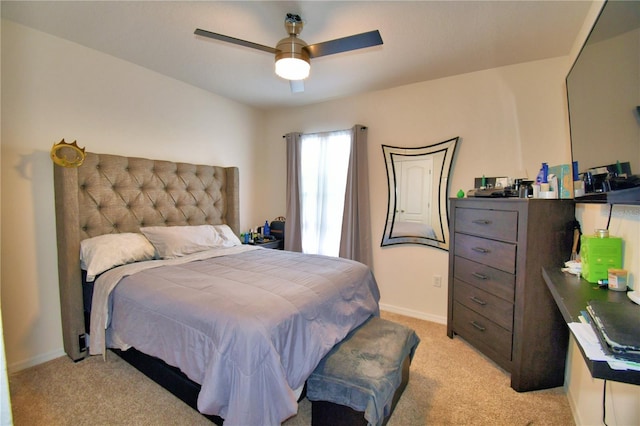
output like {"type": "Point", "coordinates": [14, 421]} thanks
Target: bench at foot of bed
{"type": "Point", "coordinates": [361, 380]}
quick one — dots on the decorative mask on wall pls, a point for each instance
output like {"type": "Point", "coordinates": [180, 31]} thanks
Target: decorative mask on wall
{"type": "Point", "coordinates": [67, 154]}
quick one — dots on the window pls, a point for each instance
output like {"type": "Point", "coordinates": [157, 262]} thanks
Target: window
{"type": "Point", "coordinates": [324, 160]}
{"type": "Point", "coordinates": [328, 194]}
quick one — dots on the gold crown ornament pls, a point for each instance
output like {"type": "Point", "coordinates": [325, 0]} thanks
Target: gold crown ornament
{"type": "Point", "coordinates": [67, 154]}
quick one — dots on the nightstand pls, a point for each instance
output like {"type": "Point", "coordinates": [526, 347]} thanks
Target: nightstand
{"type": "Point", "coordinates": [274, 244]}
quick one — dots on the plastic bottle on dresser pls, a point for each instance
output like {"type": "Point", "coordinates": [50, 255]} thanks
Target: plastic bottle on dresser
{"type": "Point", "coordinates": [266, 231]}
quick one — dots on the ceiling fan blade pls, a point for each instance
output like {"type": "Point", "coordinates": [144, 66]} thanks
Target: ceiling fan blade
{"type": "Point", "coordinates": [221, 37]}
{"type": "Point", "coordinates": [297, 86]}
{"type": "Point", "coordinates": [345, 44]}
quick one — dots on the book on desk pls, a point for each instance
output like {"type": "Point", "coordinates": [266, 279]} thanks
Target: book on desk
{"type": "Point", "coordinates": [617, 326]}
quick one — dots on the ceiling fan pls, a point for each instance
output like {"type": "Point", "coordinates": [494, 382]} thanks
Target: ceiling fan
{"type": "Point", "coordinates": [293, 55]}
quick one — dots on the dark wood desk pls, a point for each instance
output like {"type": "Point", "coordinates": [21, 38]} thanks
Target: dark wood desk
{"type": "Point", "coordinates": [571, 294]}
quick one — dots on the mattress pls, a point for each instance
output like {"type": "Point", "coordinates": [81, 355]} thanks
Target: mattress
{"type": "Point", "coordinates": [247, 324]}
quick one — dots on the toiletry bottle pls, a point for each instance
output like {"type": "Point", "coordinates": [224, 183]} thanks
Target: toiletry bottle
{"type": "Point", "coordinates": [588, 182]}
{"type": "Point", "coordinates": [266, 231]}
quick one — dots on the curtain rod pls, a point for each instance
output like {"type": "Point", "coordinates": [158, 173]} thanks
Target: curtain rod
{"type": "Point", "coordinates": [361, 128]}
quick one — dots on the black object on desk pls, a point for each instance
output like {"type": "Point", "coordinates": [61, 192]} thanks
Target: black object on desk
{"type": "Point", "coordinates": [616, 325]}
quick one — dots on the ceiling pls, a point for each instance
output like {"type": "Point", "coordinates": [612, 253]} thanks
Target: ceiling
{"type": "Point", "coordinates": [423, 40]}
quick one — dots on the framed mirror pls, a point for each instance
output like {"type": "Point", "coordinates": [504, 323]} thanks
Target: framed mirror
{"type": "Point", "coordinates": [417, 210]}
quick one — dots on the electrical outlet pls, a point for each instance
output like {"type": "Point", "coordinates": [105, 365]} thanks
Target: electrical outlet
{"type": "Point", "coordinates": [437, 281]}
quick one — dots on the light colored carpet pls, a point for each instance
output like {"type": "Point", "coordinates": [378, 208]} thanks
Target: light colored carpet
{"type": "Point", "coordinates": [450, 384]}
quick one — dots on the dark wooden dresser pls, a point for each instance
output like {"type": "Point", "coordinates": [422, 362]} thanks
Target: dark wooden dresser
{"type": "Point", "coordinates": [498, 300]}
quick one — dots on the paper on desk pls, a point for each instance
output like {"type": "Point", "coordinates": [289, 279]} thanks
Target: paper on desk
{"type": "Point", "coordinates": [593, 350]}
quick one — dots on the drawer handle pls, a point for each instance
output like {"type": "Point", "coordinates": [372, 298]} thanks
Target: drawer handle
{"type": "Point", "coordinates": [480, 276]}
{"type": "Point", "coordinates": [480, 250]}
{"type": "Point", "coordinates": [482, 222]}
{"type": "Point", "coordinates": [478, 326]}
{"type": "Point", "coordinates": [478, 301]}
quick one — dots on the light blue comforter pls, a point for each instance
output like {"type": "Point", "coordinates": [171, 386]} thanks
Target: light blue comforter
{"type": "Point", "coordinates": [249, 327]}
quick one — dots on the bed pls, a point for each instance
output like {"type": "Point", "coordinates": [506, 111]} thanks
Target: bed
{"type": "Point", "coordinates": [243, 333]}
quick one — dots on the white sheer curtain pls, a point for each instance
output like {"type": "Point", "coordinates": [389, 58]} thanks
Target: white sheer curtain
{"type": "Point", "coordinates": [344, 211]}
{"type": "Point", "coordinates": [324, 161]}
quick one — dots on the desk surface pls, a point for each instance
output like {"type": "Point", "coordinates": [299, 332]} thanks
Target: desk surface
{"type": "Point", "coordinates": [571, 294]}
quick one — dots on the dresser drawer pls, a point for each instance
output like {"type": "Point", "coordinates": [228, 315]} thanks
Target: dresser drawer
{"type": "Point", "coordinates": [497, 310]}
{"type": "Point", "coordinates": [481, 332]}
{"type": "Point", "coordinates": [489, 252]}
{"type": "Point", "coordinates": [495, 281]}
{"type": "Point", "coordinates": [496, 224]}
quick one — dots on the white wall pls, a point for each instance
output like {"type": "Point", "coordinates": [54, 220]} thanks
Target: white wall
{"type": "Point", "coordinates": [54, 89]}
{"type": "Point", "coordinates": [6, 418]}
{"type": "Point", "coordinates": [509, 120]}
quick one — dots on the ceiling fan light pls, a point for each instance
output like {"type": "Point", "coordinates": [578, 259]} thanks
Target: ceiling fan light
{"type": "Point", "coordinates": [292, 68]}
{"type": "Point", "coordinates": [292, 59]}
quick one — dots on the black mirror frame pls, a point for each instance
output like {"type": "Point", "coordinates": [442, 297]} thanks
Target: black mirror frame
{"type": "Point", "coordinates": [448, 149]}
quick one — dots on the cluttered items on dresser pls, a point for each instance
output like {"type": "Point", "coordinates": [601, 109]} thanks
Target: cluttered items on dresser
{"type": "Point", "coordinates": [551, 182]}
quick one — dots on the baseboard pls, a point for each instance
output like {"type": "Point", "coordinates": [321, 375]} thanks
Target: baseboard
{"type": "Point", "coordinates": [40, 359]}
{"type": "Point", "coordinates": [414, 314]}
{"type": "Point", "coordinates": [573, 406]}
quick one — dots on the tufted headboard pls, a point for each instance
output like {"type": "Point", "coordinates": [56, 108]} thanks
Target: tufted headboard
{"type": "Point", "coordinates": [111, 194]}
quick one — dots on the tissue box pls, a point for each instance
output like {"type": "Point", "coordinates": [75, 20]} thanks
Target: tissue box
{"type": "Point", "coordinates": [598, 255]}
{"type": "Point", "coordinates": [565, 180]}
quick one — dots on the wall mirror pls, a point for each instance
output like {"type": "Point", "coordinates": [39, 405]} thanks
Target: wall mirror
{"type": "Point", "coordinates": [417, 210]}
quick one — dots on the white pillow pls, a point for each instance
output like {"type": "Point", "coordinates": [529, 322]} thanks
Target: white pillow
{"type": "Point", "coordinates": [230, 239]}
{"type": "Point", "coordinates": [106, 251]}
{"type": "Point", "coordinates": [175, 241]}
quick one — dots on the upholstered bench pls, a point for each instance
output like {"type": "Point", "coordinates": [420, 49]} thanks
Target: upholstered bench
{"type": "Point", "coordinates": [361, 379]}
